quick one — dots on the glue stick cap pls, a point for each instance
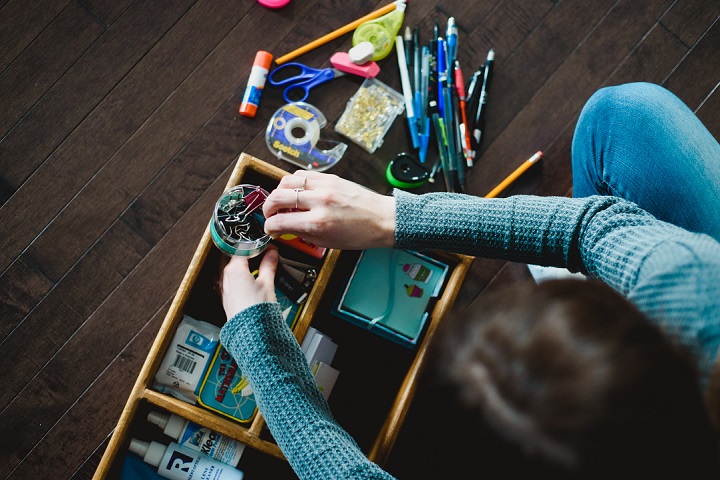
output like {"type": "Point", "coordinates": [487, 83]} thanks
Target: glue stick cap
{"type": "Point", "coordinates": [151, 452]}
{"type": "Point", "coordinates": [263, 59]}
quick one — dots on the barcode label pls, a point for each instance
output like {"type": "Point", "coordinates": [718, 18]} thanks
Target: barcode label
{"type": "Point", "coordinates": [184, 364]}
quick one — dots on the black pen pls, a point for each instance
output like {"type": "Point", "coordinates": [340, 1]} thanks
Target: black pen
{"type": "Point", "coordinates": [416, 55]}
{"type": "Point", "coordinates": [479, 127]}
{"type": "Point", "coordinates": [458, 153]}
{"type": "Point", "coordinates": [409, 51]}
{"type": "Point", "coordinates": [473, 95]}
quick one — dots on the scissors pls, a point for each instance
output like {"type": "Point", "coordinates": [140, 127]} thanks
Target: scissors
{"type": "Point", "coordinates": [303, 82]}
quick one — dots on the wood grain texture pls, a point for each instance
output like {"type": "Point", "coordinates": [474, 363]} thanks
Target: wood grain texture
{"type": "Point", "coordinates": [120, 128]}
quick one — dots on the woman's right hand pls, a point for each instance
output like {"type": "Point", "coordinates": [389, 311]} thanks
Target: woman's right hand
{"type": "Point", "coordinates": [330, 212]}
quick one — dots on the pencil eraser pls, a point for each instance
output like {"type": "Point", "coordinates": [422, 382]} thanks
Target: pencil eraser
{"type": "Point", "coordinates": [361, 53]}
{"type": "Point", "coordinates": [342, 62]}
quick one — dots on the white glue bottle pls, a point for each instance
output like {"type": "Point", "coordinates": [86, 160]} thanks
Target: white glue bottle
{"type": "Point", "coordinates": [180, 463]}
{"type": "Point", "coordinates": [198, 438]}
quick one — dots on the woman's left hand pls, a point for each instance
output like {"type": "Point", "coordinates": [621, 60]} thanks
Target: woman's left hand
{"type": "Point", "coordinates": [238, 287]}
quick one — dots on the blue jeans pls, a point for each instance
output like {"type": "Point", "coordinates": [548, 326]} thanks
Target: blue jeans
{"type": "Point", "coordinates": [640, 142]}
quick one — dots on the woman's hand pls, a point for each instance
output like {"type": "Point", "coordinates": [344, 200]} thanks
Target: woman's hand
{"type": "Point", "coordinates": [330, 212]}
{"type": "Point", "coordinates": [240, 290]}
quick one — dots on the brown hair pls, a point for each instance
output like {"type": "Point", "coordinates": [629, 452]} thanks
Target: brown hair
{"type": "Point", "coordinates": [574, 379]}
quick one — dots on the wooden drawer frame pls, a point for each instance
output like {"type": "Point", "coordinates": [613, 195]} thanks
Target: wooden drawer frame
{"type": "Point", "coordinates": [250, 434]}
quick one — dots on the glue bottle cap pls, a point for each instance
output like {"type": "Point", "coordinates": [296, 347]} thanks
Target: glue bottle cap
{"type": "Point", "coordinates": [171, 424]}
{"type": "Point", "coordinates": [152, 452]}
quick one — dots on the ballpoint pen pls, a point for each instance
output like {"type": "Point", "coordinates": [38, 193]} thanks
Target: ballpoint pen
{"type": "Point", "coordinates": [479, 127]}
{"type": "Point", "coordinates": [424, 120]}
{"type": "Point", "coordinates": [472, 97]}
{"type": "Point", "coordinates": [458, 155]}
{"type": "Point", "coordinates": [417, 85]}
{"type": "Point", "coordinates": [416, 59]}
{"type": "Point", "coordinates": [452, 42]}
{"type": "Point", "coordinates": [460, 88]}
{"type": "Point", "coordinates": [442, 148]}
{"type": "Point", "coordinates": [409, 50]}
{"type": "Point", "coordinates": [448, 122]}
{"type": "Point", "coordinates": [441, 74]}
{"type": "Point", "coordinates": [407, 92]}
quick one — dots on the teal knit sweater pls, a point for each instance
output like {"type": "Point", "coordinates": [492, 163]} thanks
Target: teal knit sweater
{"type": "Point", "coordinates": [672, 275]}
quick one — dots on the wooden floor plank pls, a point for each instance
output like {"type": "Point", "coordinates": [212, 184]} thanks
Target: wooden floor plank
{"type": "Point", "coordinates": [112, 123]}
{"type": "Point", "coordinates": [65, 308]}
{"type": "Point", "coordinates": [51, 120]}
{"type": "Point", "coordinates": [697, 75]}
{"type": "Point", "coordinates": [44, 62]}
{"type": "Point", "coordinates": [90, 420]}
{"type": "Point", "coordinates": [20, 287]}
{"type": "Point", "coordinates": [21, 22]}
{"type": "Point", "coordinates": [689, 19]}
{"type": "Point", "coordinates": [653, 59]}
{"type": "Point", "coordinates": [105, 12]}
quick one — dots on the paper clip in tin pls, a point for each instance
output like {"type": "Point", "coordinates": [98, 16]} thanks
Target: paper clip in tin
{"type": "Point", "coordinates": [237, 226]}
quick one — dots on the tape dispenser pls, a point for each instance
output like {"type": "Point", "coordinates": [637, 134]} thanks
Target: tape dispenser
{"type": "Point", "coordinates": [293, 133]}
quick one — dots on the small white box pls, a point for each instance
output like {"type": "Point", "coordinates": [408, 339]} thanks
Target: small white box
{"type": "Point", "coordinates": [325, 377]}
{"type": "Point", "coordinates": [320, 348]}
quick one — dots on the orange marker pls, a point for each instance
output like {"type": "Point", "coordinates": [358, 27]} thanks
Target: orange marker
{"type": "Point", "coordinates": [256, 83]}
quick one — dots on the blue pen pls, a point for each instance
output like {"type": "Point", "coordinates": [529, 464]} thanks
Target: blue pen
{"type": "Point", "coordinates": [452, 41]}
{"type": "Point", "coordinates": [442, 73]}
{"type": "Point", "coordinates": [423, 119]}
{"type": "Point", "coordinates": [407, 91]}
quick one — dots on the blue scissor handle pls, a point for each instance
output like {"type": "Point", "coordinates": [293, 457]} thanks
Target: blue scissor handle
{"type": "Point", "coordinates": [307, 79]}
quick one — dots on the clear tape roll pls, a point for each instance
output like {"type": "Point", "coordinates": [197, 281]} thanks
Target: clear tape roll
{"type": "Point", "coordinates": [293, 133]}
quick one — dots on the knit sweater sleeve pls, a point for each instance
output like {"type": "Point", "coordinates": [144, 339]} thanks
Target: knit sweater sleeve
{"type": "Point", "coordinates": [298, 416]}
{"type": "Point", "coordinates": [670, 274]}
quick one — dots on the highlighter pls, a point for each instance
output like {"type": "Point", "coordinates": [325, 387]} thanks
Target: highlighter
{"type": "Point", "coordinates": [256, 83]}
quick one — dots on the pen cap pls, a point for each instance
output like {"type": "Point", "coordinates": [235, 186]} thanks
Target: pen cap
{"type": "Point", "coordinates": [381, 32]}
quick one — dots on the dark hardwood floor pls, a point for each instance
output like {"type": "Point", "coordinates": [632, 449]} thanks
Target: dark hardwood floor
{"type": "Point", "coordinates": [120, 127]}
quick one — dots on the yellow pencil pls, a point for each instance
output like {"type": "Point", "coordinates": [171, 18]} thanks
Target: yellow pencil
{"type": "Point", "coordinates": [340, 31]}
{"type": "Point", "coordinates": [514, 175]}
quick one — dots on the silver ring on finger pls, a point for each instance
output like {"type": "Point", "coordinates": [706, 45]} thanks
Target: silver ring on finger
{"type": "Point", "coordinates": [297, 196]}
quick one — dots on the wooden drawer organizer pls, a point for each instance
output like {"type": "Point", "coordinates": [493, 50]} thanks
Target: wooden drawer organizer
{"type": "Point", "coordinates": [377, 377]}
